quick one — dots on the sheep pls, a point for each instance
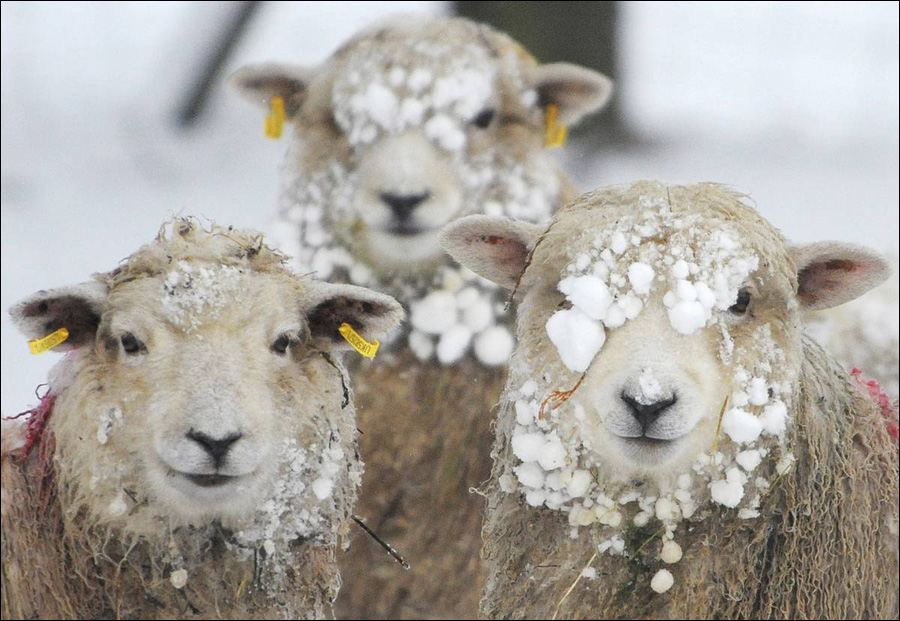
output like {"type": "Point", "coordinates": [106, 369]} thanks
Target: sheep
{"type": "Point", "coordinates": [407, 126]}
{"type": "Point", "coordinates": [669, 443]}
{"type": "Point", "coordinates": [195, 454]}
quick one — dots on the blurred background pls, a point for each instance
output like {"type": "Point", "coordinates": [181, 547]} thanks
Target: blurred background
{"type": "Point", "coordinates": [115, 115]}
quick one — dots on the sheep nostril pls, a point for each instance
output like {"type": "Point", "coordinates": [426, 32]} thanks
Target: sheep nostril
{"type": "Point", "coordinates": [402, 205]}
{"type": "Point", "coordinates": [217, 448]}
{"type": "Point", "coordinates": [647, 413]}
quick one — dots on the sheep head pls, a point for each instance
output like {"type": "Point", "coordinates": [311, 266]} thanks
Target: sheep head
{"type": "Point", "coordinates": [410, 125]}
{"type": "Point", "coordinates": [201, 386]}
{"type": "Point", "coordinates": [674, 314]}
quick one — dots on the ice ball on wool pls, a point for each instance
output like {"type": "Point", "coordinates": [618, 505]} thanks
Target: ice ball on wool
{"type": "Point", "coordinates": [662, 581]}
{"type": "Point", "coordinates": [453, 344]}
{"type": "Point", "coordinates": [588, 294]}
{"type": "Point", "coordinates": [576, 336]}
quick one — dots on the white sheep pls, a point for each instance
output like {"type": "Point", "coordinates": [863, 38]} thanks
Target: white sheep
{"type": "Point", "coordinates": [195, 454]}
{"type": "Point", "coordinates": [669, 443]}
{"type": "Point", "coordinates": [411, 124]}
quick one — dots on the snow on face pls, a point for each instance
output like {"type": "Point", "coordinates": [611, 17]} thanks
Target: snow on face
{"type": "Point", "coordinates": [440, 89]}
{"type": "Point", "coordinates": [424, 94]}
{"type": "Point", "coordinates": [284, 484]}
{"type": "Point", "coordinates": [700, 265]}
{"type": "Point", "coordinates": [299, 505]}
{"type": "Point", "coordinates": [194, 293]}
{"type": "Point", "coordinates": [693, 268]}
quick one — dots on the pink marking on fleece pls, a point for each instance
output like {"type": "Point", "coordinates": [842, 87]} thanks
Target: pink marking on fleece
{"type": "Point", "coordinates": [38, 418]}
{"type": "Point", "coordinates": [884, 402]}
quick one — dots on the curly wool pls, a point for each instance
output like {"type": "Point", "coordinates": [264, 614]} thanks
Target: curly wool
{"type": "Point", "coordinates": [824, 545]}
{"type": "Point", "coordinates": [185, 239]}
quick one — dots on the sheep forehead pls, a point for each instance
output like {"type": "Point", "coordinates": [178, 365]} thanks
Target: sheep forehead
{"type": "Point", "coordinates": [682, 214]}
{"type": "Point", "coordinates": [193, 294]}
{"type": "Point", "coordinates": [412, 80]}
{"type": "Point", "coordinates": [412, 67]}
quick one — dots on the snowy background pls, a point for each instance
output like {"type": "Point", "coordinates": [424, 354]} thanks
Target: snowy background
{"type": "Point", "coordinates": [795, 103]}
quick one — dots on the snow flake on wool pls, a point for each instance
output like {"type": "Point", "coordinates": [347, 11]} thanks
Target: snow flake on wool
{"type": "Point", "coordinates": [700, 264]}
{"type": "Point", "coordinates": [194, 292]}
{"type": "Point", "coordinates": [440, 89]}
{"type": "Point", "coordinates": [452, 314]}
{"type": "Point", "coordinates": [302, 497]}
{"type": "Point", "coordinates": [108, 418]}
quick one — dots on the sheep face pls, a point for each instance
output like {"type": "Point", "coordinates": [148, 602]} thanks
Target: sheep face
{"type": "Point", "coordinates": [206, 391]}
{"type": "Point", "coordinates": [227, 383]}
{"type": "Point", "coordinates": [409, 126]}
{"type": "Point", "coordinates": [651, 401]}
{"type": "Point", "coordinates": [675, 315]}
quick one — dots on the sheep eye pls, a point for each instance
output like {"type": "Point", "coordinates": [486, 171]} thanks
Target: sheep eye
{"type": "Point", "coordinates": [132, 344]}
{"type": "Point", "coordinates": [743, 302]}
{"type": "Point", "coordinates": [281, 344]}
{"type": "Point", "coordinates": [484, 118]}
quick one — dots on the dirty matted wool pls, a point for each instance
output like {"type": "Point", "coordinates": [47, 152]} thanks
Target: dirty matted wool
{"type": "Point", "coordinates": [428, 476]}
{"type": "Point", "coordinates": [828, 522]}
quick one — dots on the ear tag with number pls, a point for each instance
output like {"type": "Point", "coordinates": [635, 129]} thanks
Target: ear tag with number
{"type": "Point", "coordinates": [39, 346]}
{"type": "Point", "coordinates": [357, 342]}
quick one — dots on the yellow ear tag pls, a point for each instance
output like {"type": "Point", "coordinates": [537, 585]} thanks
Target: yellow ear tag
{"type": "Point", "coordinates": [554, 133]}
{"type": "Point", "coordinates": [39, 346]}
{"type": "Point", "coordinates": [274, 123]}
{"type": "Point", "coordinates": [357, 342]}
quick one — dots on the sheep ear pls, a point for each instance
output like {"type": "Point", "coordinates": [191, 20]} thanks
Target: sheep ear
{"type": "Point", "coordinates": [373, 315]}
{"type": "Point", "coordinates": [260, 83]}
{"type": "Point", "coordinates": [831, 273]}
{"type": "Point", "coordinates": [77, 309]}
{"type": "Point", "coordinates": [493, 247]}
{"type": "Point", "coordinates": [577, 91]}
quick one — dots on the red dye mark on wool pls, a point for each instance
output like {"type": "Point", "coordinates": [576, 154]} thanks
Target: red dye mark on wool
{"type": "Point", "coordinates": [884, 401]}
{"type": "Point", "coordinates": [38, 417]}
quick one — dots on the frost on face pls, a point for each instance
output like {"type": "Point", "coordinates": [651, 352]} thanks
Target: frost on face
{"type": "Point", "coordinates": [696, 266]}
{"type": "Point", "coordinates": [192, 292]}
{"type": "Point", "coordinates": [111, 416]}
{"type": "Point", "coordinates": [301, 505]}
{"type": "Point", "coordinates": [387, 89]}
{"type": "Point", "coordinates": [441, 88]}
{"type": "Point", "coordinates": [701, 268]}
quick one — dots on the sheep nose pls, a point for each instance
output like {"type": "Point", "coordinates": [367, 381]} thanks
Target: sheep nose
{"type": "Point", "coordinates": [403, 204]}
{"type": "Point", "coordinates": [216, 448]}
{"type": "Point", "coordinates": [647, 413]}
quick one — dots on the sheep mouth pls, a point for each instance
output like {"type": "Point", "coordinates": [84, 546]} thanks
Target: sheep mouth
{"type": "Point", "coordinates": [643, 439]}
{"type": "Point", "coordinates": [209, 480]}
{"type": "Point", "coordinates": [648, 451]}
{"type": "Point", "coordinates": [650, 442]}
{"type": "Point", "coordinates": [406, 230]}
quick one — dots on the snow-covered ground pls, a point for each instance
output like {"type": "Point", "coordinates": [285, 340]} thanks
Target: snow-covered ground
{"type": "Point", "coordinates": [795, 103]}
